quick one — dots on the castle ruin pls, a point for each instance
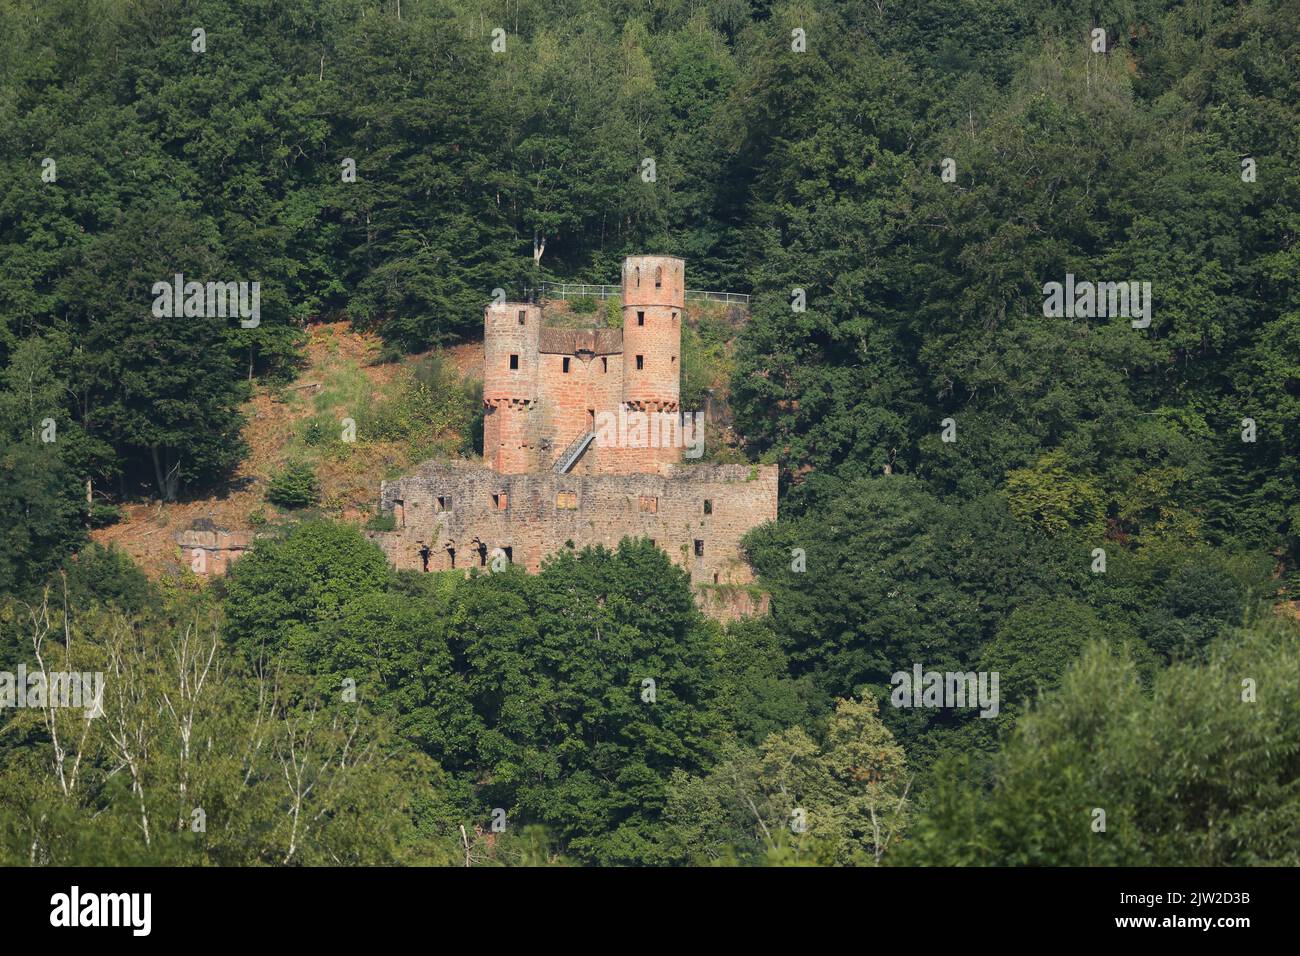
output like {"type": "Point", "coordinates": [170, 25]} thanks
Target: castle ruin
{"type": "Point", "coordinates": [583, 438]}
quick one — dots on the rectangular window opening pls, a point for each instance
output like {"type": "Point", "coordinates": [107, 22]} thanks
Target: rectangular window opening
{"type": "Point", "coordinates": [640, 362]}
{"type": "Point", "coordinates": [640, 318]}
{"type": "Point", "coordinates": [566, 364]}
{"type": "Point", "coordinates": [699, 548]}
{"type": "Point", "coordinates": [514, 363]}
{"type": "Point", "coordinates": [708, 506]}
{"type": "Point", "coordinates": [648, 505]}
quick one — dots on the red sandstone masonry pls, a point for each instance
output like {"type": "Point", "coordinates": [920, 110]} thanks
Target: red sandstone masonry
{"type": "Point", "coordinates": [212, 552]}
{"type": "Point", "coordinates": [667, 508]}
{"type": "Point", "coordinates": [653, 299]}
{"type": "Point", "coordinates": [533, 411]}
{"type": "Point", "coordinates": [566, 379]}
{"type": "Point", "coordinates": [510, 394]}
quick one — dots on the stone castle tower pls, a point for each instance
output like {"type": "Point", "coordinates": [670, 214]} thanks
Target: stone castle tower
{"type": "Point", "coordinates": [583, 439]}
{"type": "Point", "coordinates": [545, 390]}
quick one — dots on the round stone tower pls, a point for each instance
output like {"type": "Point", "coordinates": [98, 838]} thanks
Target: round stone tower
{"type": "Point", "coordinates": [511, 334]}
{"type": "Point", "coordinates": [654, 293]}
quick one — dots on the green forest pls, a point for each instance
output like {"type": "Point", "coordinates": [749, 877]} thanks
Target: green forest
{"type": "Point", "coordinates": [1103, 510]}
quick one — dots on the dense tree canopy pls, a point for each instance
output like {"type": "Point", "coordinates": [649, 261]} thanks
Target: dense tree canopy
{"type": "Point", "coordinates": [1103, 510]}
{"type": "Point", "coordinates": [1199, 770]}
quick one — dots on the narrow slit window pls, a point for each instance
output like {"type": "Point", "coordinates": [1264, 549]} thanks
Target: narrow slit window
{"type": "Point", "coordinates": [522, 315]}
{"type": "Point", "coordinates": [640, 318]}
{"type": "Point", "coordinates": [640, 362]}
{"type": "Point", "coordinates": [566, 365]}
{"type": "Point", "coordinates": [699, 548]}
{"type": "Point", "coordinates": [514, 363]}
{"type": "Point", "coordinates": [708, 506]}
{"type": "Point", "coordinates": [604, 364]}
{"type": "Point", "coordinates": [659, 276]}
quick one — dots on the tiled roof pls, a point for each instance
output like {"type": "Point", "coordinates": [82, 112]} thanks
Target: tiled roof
{"type": "Point", "coordinates": [573, 341]}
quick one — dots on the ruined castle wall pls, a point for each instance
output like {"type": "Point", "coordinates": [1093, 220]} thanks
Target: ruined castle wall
{"type": "Point", "coordinates": [211, 552]}
{"type": "Point", "coordinates": [450, 510]}
{"type": "Point", "coordinates": [543, 388]}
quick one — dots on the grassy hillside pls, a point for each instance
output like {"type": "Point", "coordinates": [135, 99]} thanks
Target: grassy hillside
{"type": "Point", "coordinates": [404, 412]}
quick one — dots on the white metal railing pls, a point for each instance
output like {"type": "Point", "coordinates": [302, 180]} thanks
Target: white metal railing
{"type": "Point", "coordinates": [568, 290]}
{"type": "Point", "coordinates": [573, 452]}
{"type": "Point", "coordinates": [696, 295]}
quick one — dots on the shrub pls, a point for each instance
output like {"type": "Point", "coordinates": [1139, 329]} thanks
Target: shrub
{"type": "Point", "coordinates": [423, 406]}
{"type": "Point", "coordinates": [107, 576]}
{"type": "Point", "coordinates": [294, 487]}
{"type": "Point", "coordinates": [313, 433]}
{"type": "Point", "coordinates": [614, 312]}
{"type": "Point", "coordinates": [101, 515]}
{"type": "Point", "coordinates": [384, 521]}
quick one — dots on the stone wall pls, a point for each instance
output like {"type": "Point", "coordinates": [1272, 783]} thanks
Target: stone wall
{"type": "Point", "coordinates": [209, 551]}
{"type": "Point", "coordinates": [457, 514]}
{"type": "Point", "coordinates": [579, 374]}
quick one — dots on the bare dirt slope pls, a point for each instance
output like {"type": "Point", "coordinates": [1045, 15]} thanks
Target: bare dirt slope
{"type": "Point", "coordinates": [349, 488]}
